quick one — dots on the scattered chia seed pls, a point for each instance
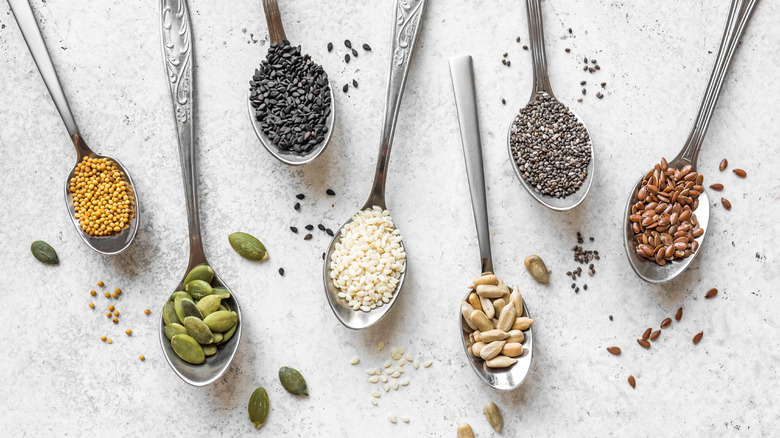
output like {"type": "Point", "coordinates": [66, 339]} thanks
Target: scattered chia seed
{"type": "Point", "coordinates": [570, 30]}
{"type": "Point", "coordinates": [281, 272]}
{"type": "Point", "coordinates": [517, 39]}
{"type": "Point", "coordinates": [579, 100]}
{"type": "Point", "coordinates": [506, 54]}
{"type": "Point", "coordinates": [585, 68]}
{"type": "Point", "coordinates": [294, 229]}
{"type": "Point", "coordinates": [503, 61]}
{"type": "Point", "coordinates": [568, 50]}
{"type": "Point", "coordinates": [291, 98]}
{"type": "Point", "coordinates": [366, 47]}
{"type": "Point", "coordinates": [603, 85]}
{"type": "Point", "coordinates": [551, 147]}
{"type": "Point", "coordinates": [586, 60]}
{"type": "Point", "coordinates": [300, 196]}
{"type": "Point", "coordinates": [509, 63]}
{"type": "Point", "coordinates": [599, 95]}
{"type": "Point", "coordinates": [330, 192]}
{"type": "Point", "coordinates": [583, 91]}
{"type": "Point", "coordinates": [593, 61]}
{"type": "Point", "coordinates": [307, 237]}
{"type": "Point", "coordinates": [583, 82]}
{"type": "Point", "coordinates": [610, 317]}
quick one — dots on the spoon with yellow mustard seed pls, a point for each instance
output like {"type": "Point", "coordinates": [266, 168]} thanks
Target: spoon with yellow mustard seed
{"type": "Point", "coordinates": [177, 56]}
{"type": "Point", "coordinates": [663, 240]}
{"type": "Point", "coordinates": [110, 225]}
{"type": "Point", "coordinates": [507, 372]}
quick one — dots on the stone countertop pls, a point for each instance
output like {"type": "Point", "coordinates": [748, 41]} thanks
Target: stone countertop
{"type": "Point", "coordinates": [656, 57]}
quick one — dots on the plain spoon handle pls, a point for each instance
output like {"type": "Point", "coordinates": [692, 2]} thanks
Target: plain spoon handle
{"type": "Point", "coordinates": [538, 54]}
{"type": "Point", "coordinates": [274, 20]}
{"type": "Point", "coordinates": [739, 14]}
{"type": "Point", "coordinates": [406, 28]}
{"type": "Point", "coordinates": [462, 73]}
{"type": "Point", "coordinates": [177, 57]}
{"type": "Point", "coordinates": [32, 36]}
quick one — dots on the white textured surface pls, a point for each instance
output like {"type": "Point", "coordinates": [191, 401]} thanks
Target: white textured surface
{"type": "Point", "coordinates": [59, 379]}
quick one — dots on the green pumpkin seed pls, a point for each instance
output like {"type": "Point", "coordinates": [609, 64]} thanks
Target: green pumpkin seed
{"type": "Point", "coordinates": [188, 349]}
{"type": "Point", "coordinates": [44, 253]}
{"type": "Point", "coordinates": [217, 337]}
{"type": "Point", "coordinates": [198, 330]}
{"type": "Point", "coordinates": [198, 289]}
{"type": "Point", "coordinates": [182, 294]}
{"type": "Point", "coordinates": [222, 293]}
{"type": "Point", "coordinates": [200, 272]}
{"type": "Point", "coordinates": [188, 308]}
{"type": "Point", "coordinates": [209, 304]}
{"type": "Point", "coordinates": [258, 407]}
{"type": "Point", "coordinates": [293, 381]}
{"type": "Point", "coordinates": [248, 247]}
{"type": "Point", "coordinates": [224, 306]}
{"type": "Point", "coordinates": [169, 313]}
{"type": "Point", "coordinates": [221, 320]}
{"type": "Point", "coordinates": [209, 350]}
{"type": "Point", "coordinates": [174, 329]}
{"type": "Point", "coordinates": [228, 334]}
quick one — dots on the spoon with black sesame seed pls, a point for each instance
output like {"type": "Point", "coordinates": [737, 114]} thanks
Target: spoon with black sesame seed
{"type": "Point", "coordinates": [290, 101]}
{"type": "Point", "coordinates": [662, 241]}
{"type": "Point", "coordinates": [407, 19]}
{"type": "Point", "coordinates": [549, 146]}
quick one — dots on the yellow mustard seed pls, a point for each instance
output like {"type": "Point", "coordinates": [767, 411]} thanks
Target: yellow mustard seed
{"type": "Point", "coordinates": [111, 307]}
{"type": "Point", "coordinates": [110, 341]}
{"type": "Point", "coordinates": [118, 290]}
{"type": "Point", "coordinates": [147, 311]}
{"type": "Point", "coordinates": [91, 305]}
{"type": "Point", "coordinates": [102, 201]}
{"type": "Point", "coordinates": [103, 338]}
{"type": "Point", "coordinates": [93, 293]}
{"type": "Point", "coordinates": [108, 295]}
{"type": "Point", "coordinates": [100, 283]}
{"type": "Point", "coordinates": [141, 357]}
{"type": "Point", "coordinates": [108, 314]}
{"type": "Point", "coordinates": [129, 332]}
{"type": "Point", "coordinates": [116, 313]}
{"type": "Point", "coordinates": [115, 320]}
{"type": "Point", "coordinates": [115, 295]}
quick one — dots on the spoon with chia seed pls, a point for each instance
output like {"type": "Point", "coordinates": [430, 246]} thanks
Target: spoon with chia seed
{"type": "Point", "coordinates": [106, 245]}
{"type": "Point", "coordinates": [290, 103]}
{"type": "Point", "coordinates": [549, 145]}
{"type": "Point", "coordinates": [407, 21]}
{"type": "Point", "coordinates": [649, 270]}
{"type": "Point", "coordinates": [462, 73]}
{"type": "Point", "coordinates": [178, 58]}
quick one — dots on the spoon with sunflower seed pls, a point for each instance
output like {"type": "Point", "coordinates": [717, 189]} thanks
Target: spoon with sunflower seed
{"type": "Point", "coordinates": [668, 210]}
{"type": "Point", "coordinates": [107, 230]}
{"type": "Point", "coordinates": [494, 321]}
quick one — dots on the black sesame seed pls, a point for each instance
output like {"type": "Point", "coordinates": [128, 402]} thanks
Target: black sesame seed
{"type": "Point", "coordinates": [354, 53]}
{"type": "Point", "coordinates": [300, 196]}
{"type": "Point", "coordinates": [294, 229]}
{"type": "Point", "coordinates": [610, 317]}
{"type": "Point", "coordinates": [321, 227]}
{"type": "Point", "coordinates": [330, 232]}
{"type": "Point", "coordinates": [323, 256]}
{"type": "Point", "coordinates": [307, 237]}
{"type": "Point", "coordinates": [583, 82]}
{"type": "Point", "coordinates": [348, 43]}
{"type": "Point", "coordinates": [345, 88]}
{"type": "Point", "coordinates": [281, 272]}
{"type": "Point", "coordinates": [569, 30]}
{"type": "Point", "coordinates": [366, 47]}
{"type": "Point", "coordinates": [309, 227]}
{"type": "Point", "coordinates": [297, 206]}
{"type": "Point", "coordinates": [330, 192]}
{"type": "Point", "coordinates": [354, 83]}
{"type": "Point", "coordinates": [503, 101]}
{"type": "Point", "coordinates": [585, 286]}
{"type": "Point", "coordinates": [330, 47]}
{"type": "Point", "coordinates": [525, 47]}
{"type": "Point", "coordinates": [346, 58]}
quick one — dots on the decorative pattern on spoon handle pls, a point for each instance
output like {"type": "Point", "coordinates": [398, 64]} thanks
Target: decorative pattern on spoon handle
{"type": "Point", "coordinates": [177, 54]}
{"type": "Point", "coordinates": [408, 19]}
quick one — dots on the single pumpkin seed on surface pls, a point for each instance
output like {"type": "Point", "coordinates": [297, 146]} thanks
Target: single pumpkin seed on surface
{"type": "Point", "coordinates": [258, 407]}
{"type": "Point", "coordinates": [247, 246]}
{"type": "Point", "coordinates": [174, 329]}
{"type": "Point", "coordinates": [493, 415]}
{"type": "Point", "coordinates": [188, 349]}
{"type": "Point", "coordinates": [221, 320]}
{"type": "Point", "coordinates": [198, 330]}
{"type": "Point", "coordinates": [198, 289]}
{"type": "Point", "coordinates": [201, 272]}
{"type": "Point", "coordinates": [44, 253]}
{"type": "Point", "coordinates": [536, 267]}
{"type": "Point", "coordinates": [293, 381]}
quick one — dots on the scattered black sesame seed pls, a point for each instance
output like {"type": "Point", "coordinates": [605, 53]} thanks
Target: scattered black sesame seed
{"type": "Point", "coordinates": [354, 53]}
{"type": "Point", "coordinates": [503, 101]}
{"type": "Point", "coordinates": [354, 83]}
{"type": "Point", "coordinates": [330, 47]}
{"type": "Point", "coordinates": [345, 88]}
{"type": "Point", "coordinates": [583, 82]}
{"type": "Point", "coordinates": [586, 60]}
{"type": "Point", "coordinates": [300, 196]}
{"type": "Point", "coordinates": [348, 43]}
{"type": "Point", "coordinates": [321, 227]}
{"type": "Point", "coordinates": [610, 317]}
{"type": "Point", "coordinates": [330, 232]}
{"type": "Point", "coordinates": [346, 58]}
{"type": "Point", "coordinates": [569, 30]}
{"type": "Point", "coordinates": [366, 47]}
{"type": "Point", "coordinates": [309, 227]}
{"type": "Point", "coordinates": [294, 229]}
{"type": "Point", "coordinates": [281, 272]}
{"type": "Point", "coordinates": [307, 237]}
{"type": "Point", "coordinates": [517, 39]}
{"type": "Point", "coordinates": [330, 192]}
{"type": "Point", "coordinates": [297, 206]}
{"type": "Point", "coordinates": [525, 47]}
{"type": "Point", "coordinates": [323, 256]}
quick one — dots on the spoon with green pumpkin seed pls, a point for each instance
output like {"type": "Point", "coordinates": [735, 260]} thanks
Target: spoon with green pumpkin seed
{"type": "Point", "coordinates": [200, 327]}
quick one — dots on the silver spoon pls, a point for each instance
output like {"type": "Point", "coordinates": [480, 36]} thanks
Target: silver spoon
{"type": "Point", "coordinates": [647, 270]}
{"type": "Point", "coordinates": [462, 73]}
{"type": "Point", "coordinates": [177, 56]}
{"type": "Point", "coordinates": [276, 34]}
{"type": "Point", "coordinates": [541, 88]}
{"type": "Point", "coordinates": [107, 245]}
{"type": "Point", "coordinates": [406, 28]}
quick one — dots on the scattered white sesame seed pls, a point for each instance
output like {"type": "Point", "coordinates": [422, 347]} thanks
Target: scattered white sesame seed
{"type": "Point", "coordinates": [388, 363]}
{"type": "Point", "coordinates": [380, 346]}
{"type": "Point", "coordinates": [383, 378]}
{"type": "Point", "coordinates": [375, 394]}
{"type": "Point", "coordinates": [395, 384]}
{"type": "Point", "coordinates": [355, 360]}
{"type": "Point", "coordinates": [373, 379]}
{"type": "Point", "coordinates": [373, 402]}
{"type": "Point", "coordinates": [392, 418]}
{"type": "Point", "coordinates": [416, 364]}
{"type": "Point", "coordinates": [408, 358]}
{"type": "Point", "coordinates": [401, 362]}
{"type": "Point", "coordinates": [427, 363]}
{"type": "Point", "coordinates": [387, 387]}
{"type": "Point", "coordinates": [404, 418]}
{"type": "Point", "coordinates": [370, 372]}
{"type": "Point", "coordinates": [404, 382]}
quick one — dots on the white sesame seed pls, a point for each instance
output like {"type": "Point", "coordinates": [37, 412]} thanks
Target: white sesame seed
{"type": "Point", "coordinates": [375, 394]}
{"type": "Point", "coordinates": [374, 402]}
{"type": "Point", "coordinates": [373, 379]}
{"type": "Point", "coordinates": [404, 418]}
{"type": "Point", "coordinates": [408, 358]}
{"type": "Point", "coordinates": [383, 378]}
{"type": "Point", "coordinates": [370, 372]}
{"type": "Point", "coordinates": [354, 360]}
{"type": "Point", "coordinates": [392, 418]}
{"type": "Point", "coordinates": [416, 364]}
{"type": "Point", "coordinates": [388, 363]}
{"type": "Point", "coordinates": [404, 382]}
{"type": "Point", "coordinates": [387, 387]}
{"type": "Point", "coordinates": [427, 363]}
{"type": "Point", "coordinates": [394, 384]}
{"type": "Point", "coordinates": [380, 346]}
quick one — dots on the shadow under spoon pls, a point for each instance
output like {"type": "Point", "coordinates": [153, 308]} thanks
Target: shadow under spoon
{"type": "Point", "coordinates": [650, 271]}
{"type": "Point", "coordinates": [106, 245]}
{"type": "Point", "coordinates": [462, 73]}
{"type": "Point", "coordinates": [177, 57]}
{"type": "Point", "coordinates": [406, 28]}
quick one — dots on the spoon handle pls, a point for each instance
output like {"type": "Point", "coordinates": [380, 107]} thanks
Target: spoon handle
{"type": "Point", "coordinates": [739, 14]}
{"type": "Point", "coordinates": [274, 21]}
{"type": "Point", "coordinates": [406, 28]}
{"type": "Point", "coordinates": [538, 54]}
{"type": "Point", "coordinates": [32, 36]}
{"type": "Point", "coordinates": [177, 57]}
{"type": "Point", "coordinates": [462, 73]}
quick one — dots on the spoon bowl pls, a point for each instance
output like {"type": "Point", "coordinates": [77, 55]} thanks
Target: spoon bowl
{"type": "Point", "coordinates": [214, 366]}
{"type": "Point", "coordinates": [551, 202]}
{"type": "Point", "coordinates": [289, 158]}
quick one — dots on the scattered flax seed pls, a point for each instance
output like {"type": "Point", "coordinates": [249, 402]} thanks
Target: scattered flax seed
{"type": "Point", "coordinates": [726, 203]}
{"type": "Point", "coordinates": [632, 381]}
{"type": "Point", "coordinates": [614, 350]}
{"type": "Point", "coordinates": [655, 335]}
{"type": "Point", "coordinates": [724, 163]}
{"type": "Point", "coordinates": [643, 343]}
{"type": "Point", "coordinates": [711, 293]}
{"type": "Point", "coordinates": [646, 334]}
{"type": "Point", "coordinates": [666, 322]}
{"type": "Point", "coordinates": [697, 338]}
{"type": "Point", "coordinates": [678, 315]}
{"type": "Point", "coordinates": [740, 173]}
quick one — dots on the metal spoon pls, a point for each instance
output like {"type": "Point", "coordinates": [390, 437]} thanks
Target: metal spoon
{"type": "Point", "coordinates": [406, 28]}
{"type": "Point", "coordinates": [276, 34]}
{"type": "Point", "coordinates": [462, 73]}
{"type": "Point", "coordinates": [177, 56]}
{"type": "Point", "coordinates": [107, 245]}
{"type": "Point", "coordinates": [542, 87]}
{"type": "Point", "coordinates": [647, 270]}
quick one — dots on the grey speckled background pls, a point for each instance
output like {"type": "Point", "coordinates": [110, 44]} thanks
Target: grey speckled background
{"type": "Point", "coordinates": [59, 379]}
